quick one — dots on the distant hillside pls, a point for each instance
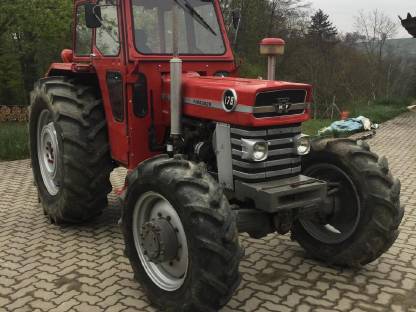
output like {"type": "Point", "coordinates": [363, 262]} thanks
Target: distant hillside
{"type": "Point", "coordinates": [405, 47]}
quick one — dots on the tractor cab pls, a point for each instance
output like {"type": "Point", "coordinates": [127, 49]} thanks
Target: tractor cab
{"type": "Point", "coordinates": [130, 45]}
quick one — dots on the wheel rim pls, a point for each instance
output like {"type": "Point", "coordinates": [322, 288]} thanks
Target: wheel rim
{"type": "Point", "coordinates": [341, 220]}
{"type": "Point", "coordinates": [168, 275]}
{"type": "Point", "coordinates": [48, 152]}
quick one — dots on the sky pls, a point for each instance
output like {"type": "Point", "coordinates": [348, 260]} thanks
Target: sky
{"type": "Point", "coordinates": [342, 12]}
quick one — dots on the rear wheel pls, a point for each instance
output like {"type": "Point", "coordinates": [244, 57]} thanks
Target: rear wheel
{"type": "Point", "coordinates": [69, 149]}
{"type": "Point", "coordinates": [180, 236]}
{"type": "Point", "coordinates": [360, 220]}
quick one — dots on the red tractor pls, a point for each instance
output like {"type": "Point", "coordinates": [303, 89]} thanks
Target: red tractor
{"type": "Point", "coordinates": [152, 85]}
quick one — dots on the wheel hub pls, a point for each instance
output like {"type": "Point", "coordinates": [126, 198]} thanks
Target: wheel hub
{"type": "Point", "coordinates": [48, 152]}
{"type": "Point", "coordinates": [48, 146]}
{"type": "Point", "coordinates": [159, 241]}
{"type": "Point", "coordinates": [340, 214]}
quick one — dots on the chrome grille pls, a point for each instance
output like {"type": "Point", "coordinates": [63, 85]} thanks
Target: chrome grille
{"type": "Point", "coordinates": [280, 103]}
{"type": "Point", "coordinates": [282, 162]}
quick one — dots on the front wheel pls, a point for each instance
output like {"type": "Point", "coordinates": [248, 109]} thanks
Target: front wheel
{"type": "Point", "coordinates": [362, 214]}
{"type": "Point", "coordinates": [180, 236]}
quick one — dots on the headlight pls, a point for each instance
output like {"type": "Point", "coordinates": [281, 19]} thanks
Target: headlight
{"type": "Point", "coordinates": [255, 150]}
{"type": "Point", "coordinates": [260, 151]}
{"type": "Point", "coordinates": [303, 144]}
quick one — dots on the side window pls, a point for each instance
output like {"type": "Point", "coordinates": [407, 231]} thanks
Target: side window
{"type": "Point", "coordinates": [115, 89]}
{"type": "Point", "coordinates": [107, 36]}
{"type": "Point", "coordinates": [83, 35]}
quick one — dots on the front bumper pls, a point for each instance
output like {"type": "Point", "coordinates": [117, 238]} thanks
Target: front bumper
{"type": "Point", "coordinates": [299, 192]}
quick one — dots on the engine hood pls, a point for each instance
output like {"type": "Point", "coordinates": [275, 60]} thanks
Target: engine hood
{"type": "Point", "coordinates": [235, 100]}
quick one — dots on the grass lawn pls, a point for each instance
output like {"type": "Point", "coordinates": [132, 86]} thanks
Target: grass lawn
{"type": "Point", "coordinates": [380, 110]}
{"type": "Point", "coordinates": [13, 141]}
{"type": "Point", "coordinates": [312, 126]}
{"type": "Point", "coordinates": [379, 113]}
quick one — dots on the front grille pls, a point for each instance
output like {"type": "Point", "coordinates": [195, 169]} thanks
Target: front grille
{"type": "Point", "coordinates": [282, 162]}
{"type": "Point", "coordinates": [280, 103]}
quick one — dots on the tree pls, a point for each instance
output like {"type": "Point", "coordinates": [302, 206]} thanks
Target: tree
{"type": "Point", "coordinates": [32, 35]}
{"type": "Point", "coordinates": [285, 15]}
{"type": "Point", "coordinates": [351, 39]}
{"type": "Point", "coordinates": [321, 28]}
{"type": "Point", "coordinates": [375, 28]}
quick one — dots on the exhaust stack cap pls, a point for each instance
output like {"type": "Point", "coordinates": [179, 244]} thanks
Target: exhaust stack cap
{"type": "Point", "coordinates": [272, 46]}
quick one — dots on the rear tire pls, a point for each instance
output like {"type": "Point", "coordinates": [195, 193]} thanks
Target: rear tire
{"type": "Point", "coordinates": [69, 149]}
{"type": "Point", "coordinates": [214, 254]}
{"type": "Point", "coordinates": [377, 205]}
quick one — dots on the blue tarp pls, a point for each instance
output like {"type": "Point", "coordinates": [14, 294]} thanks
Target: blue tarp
{"type": "Point", "coordinates": [349, 125]}
{"type": "Point", "coordinates": [346, 127]}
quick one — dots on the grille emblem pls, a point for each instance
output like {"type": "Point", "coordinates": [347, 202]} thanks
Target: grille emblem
{"type": "Point", "coordinates": [229, 100]}
{"type": "Point", "coordinates": [282, 106]}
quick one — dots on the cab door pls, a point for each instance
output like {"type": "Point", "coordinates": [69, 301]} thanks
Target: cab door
{"type": "Point", "coordinates": [110, 64]}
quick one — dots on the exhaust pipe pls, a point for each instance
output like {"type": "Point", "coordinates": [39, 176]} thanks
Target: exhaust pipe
{"type": "Point", "coordinates": [175, 96]}
{"type": "Point", "coordinates": [175, 89]}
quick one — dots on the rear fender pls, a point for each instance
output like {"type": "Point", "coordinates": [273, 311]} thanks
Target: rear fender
{"type": "Point", "coordinates": [86, 75]}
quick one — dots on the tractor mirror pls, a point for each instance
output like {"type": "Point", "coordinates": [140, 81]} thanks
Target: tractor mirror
{"type": "Point", "coordinates": [92, 15]}
{"type": "Point", "coordinates": [236, 16]}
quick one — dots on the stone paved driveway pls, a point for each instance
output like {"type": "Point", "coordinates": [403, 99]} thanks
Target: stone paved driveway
{"type": "Point", "coordinates": [47, 268]}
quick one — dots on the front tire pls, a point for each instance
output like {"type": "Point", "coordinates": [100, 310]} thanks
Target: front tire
{"type": "Point", "coordinates": [180, 236]}
{"type": "Point", "coordinates": [365, 211]}
{"type": "Point", "coordinates": [69, 149]}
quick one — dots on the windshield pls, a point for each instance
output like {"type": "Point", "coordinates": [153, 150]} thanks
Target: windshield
{"type": "Point", "coordinates": [198, 27]}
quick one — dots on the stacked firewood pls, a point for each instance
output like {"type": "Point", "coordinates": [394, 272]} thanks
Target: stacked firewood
{"type": "Point", "coordinates": [13, 113]}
